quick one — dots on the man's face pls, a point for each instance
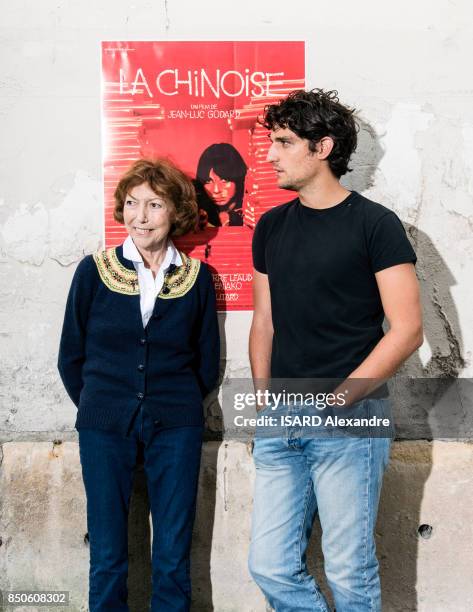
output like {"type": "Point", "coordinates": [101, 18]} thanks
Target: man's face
{"type": "Point", "coordinates": [295, 165]}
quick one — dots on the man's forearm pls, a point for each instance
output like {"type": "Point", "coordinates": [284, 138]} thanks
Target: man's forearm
{"type": "Point", "coordinates": [260, 346]}
{"type": "Point", "coordinates": [383, 361]}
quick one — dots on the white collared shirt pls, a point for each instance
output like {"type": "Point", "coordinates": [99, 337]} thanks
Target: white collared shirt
{"type": "Point", "coordinates": [150, 287]}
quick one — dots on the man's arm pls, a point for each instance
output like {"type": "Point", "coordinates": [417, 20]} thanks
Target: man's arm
{"type": "Point", "coordinates": [399, 291]}
{"type": "Point", "coordinates": [261, 332]}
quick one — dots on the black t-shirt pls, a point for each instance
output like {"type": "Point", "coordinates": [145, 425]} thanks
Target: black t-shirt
{"type": "Point", "coordinates": [321, 264]}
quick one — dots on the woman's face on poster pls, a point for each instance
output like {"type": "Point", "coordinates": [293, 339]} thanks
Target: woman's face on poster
{"type": "Point", "coordinates": [220, 190]}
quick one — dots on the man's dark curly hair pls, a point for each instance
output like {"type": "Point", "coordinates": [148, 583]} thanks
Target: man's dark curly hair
{"type": "Point", "coordinates": [314, 115]}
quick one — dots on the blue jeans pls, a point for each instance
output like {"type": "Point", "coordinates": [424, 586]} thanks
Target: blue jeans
{"type": "Point", "coordinates": [171, 463]}
{"type": "Point", "coordinates": [337, 476]}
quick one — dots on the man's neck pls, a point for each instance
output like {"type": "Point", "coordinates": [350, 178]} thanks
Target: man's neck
{"type": "Point", "coordinates": [323, 192]}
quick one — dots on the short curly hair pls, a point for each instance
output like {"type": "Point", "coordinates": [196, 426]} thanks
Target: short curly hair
{"type": "Point", "coordinates": [168, 182]}
{"type": "Point", "coordinates": [314, 115]}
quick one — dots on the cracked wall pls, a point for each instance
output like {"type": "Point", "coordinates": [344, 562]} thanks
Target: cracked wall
{"type": "Point", "coordinates": [404, 66]}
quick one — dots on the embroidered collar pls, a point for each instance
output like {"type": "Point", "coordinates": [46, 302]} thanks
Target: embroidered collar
{"type": "Point", "coordinates": [118, 277]}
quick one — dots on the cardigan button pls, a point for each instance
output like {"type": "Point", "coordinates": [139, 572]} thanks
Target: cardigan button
{"type": "Point", "coordinates": [140, 396]}
{"type": "Point", "coordinates": [157, 423]}
{"type": "Point", "coordinates": [141, 367]}
{"type": "Point", "coordinates": [142, 341]}
{"type": "Point", "coordinates": [156, 317]}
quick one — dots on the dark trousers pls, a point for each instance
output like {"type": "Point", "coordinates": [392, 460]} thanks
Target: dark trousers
{"type": "Point", "coordinates": [171, 463]}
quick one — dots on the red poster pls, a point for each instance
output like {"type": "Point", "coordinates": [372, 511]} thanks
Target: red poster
{"type": "Point", "coordinates": [198, 103]}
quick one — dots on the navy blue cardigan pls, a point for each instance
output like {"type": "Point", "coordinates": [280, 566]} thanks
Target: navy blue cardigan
{"type": "Point", "coordinates": [110, 365]}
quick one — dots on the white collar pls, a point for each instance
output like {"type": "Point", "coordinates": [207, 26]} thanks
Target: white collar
{"type": "Point", "coordinates": [172, 256]}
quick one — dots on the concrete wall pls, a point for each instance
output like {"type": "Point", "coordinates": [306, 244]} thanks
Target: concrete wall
{"type": "Point", "coordinates": [406, 66]}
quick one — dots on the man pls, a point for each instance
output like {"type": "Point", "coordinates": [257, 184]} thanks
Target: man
{"type": "Point", "coordinates": [329, 267]}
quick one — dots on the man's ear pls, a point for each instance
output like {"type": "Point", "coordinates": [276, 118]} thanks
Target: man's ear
{"type": "Point", "coordinates": [324, 147]}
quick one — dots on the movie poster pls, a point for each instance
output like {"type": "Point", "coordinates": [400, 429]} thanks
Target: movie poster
{"type": "Point", "coordinates": [198, 103]}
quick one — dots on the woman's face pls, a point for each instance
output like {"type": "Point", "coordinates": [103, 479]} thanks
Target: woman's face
{"type": "Point", "coordinates": [220, 190]}
{"type": "Point", "coordinates": [147, 217]}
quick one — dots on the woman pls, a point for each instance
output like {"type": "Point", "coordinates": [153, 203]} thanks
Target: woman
{"type": "Point", "coordinates": [221, 172]}
{"type": "Point", "coordinates": [139, 351]}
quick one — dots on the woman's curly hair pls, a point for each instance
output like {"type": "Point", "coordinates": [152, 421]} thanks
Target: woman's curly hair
{"type": "Point", "coordinates": [314, 115]}
{"type": "Point", "coordinates": [167, 181]}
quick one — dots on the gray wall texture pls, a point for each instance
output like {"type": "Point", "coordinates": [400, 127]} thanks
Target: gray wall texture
{"type": "Point", "coordinates": [405, 65]}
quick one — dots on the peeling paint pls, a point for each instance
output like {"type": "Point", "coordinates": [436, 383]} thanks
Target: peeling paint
{"type": "Point", "coordinates": [401, 164]}
{"type": "Point", "coordinates": [451, 364]}
{"type": "Point", "coordinates": [64, 234]}
{"type": "Point", "coordinates": [25, 234]}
